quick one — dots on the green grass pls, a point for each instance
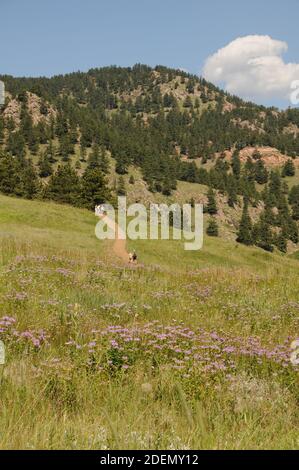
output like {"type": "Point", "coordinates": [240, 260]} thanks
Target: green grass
{"type": "Point", "coordinates": [57, 277]}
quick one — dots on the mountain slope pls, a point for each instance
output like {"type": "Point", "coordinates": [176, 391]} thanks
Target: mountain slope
{"type": "Point", "coordinates": [197, 344]}
{"type": "Point", "coordinates": [160, 124]}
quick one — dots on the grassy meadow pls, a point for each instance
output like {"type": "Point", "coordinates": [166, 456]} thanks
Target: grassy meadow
{"type": "Point", "coordinates": [186, 350]}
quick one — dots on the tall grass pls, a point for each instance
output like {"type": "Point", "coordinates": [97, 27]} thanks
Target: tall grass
{"type": "Point", "coordinates": [104, 356]}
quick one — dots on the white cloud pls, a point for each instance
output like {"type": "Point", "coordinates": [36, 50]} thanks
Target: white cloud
{"type": "Point", "coordinates": [252, 67]}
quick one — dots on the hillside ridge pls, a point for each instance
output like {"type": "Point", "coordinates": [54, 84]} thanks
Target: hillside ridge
{"type": "Point", "coordinates": [84, 138]}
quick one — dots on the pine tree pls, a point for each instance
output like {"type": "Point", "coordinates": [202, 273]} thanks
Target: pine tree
{"type": "Point", "coordinates": [211, 206]}
{"type": "Point", "coordinates": [265, 239]}
{"type": "Point", "coordinates": [256, 155]}
{"type": "Point", "coordinates": [283, 210]}
{"type": "Point", "coordinates": [29, 181]}
{"type": "Point", "coordinates": [294, 195]}
{"type": "Point", "coordinates": [290, 228]}
{"type": "Point", "coordinates": [188, 102]}
{"type": "Point", "coordinates": [288, 169]}
{"type": "Point", "coordinates": [245, 228]}
{"type": "Point", "coordinates": [16, 145]}
{"type": "Point", "coordinates": [121, 189]}
{"type": "Point", "coordinates": [10, 176]}
{"type": "Point", "coordinates": [236, 164]}
{"type": "Point", "coordinates": [98, 159]}
{"type": "Point", "coordinates": [212, 229]}
{"type": "Point", "coordinates": [94, 188]}
{"type": "Point", "coordinates": [120, 167]}
{"type": "Point", "coordinates": [66, 148]}
{"type": "Point", "coordinates": [268, 215]}
{"type": "Point", "coordinates": [64, 186]}
{"type": "Point", "coordinates": [249, 170]}
{"type": "Point", "coordinates": [281, 242]}
{"type": "Point", "coordinates": [45, 167]}
{"type": "Point", "coordinates": [261, 173]}
{"type": "Point", "coordinates": [50, 153]}
{"type": "Point", "coordinates": [295, 210]}
{"type": "Point", "coordinates": [166, 187]}
{"type": "Point", "coordinates": [232, 193]}
{"type": "Point", "coordinates": [275, 185]}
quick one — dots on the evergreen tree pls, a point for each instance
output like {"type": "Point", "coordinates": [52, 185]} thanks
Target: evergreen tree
{"type": "Point", "coordinates": [188, 102]}
{"type": "Point", "coordinates": [166, 186]}
{"type": "Point", "coordinates": [295, 210]}
{"type": "Point", "coordinates": [94, 188]}
{"type": "Point", "coordinates": [275, 185]}
{"type": "Point", "coordinates": [232, 193]}
{"type": "Point", "coordinates": [256, 155]}
{"type": "Point", "coordinates": [249, 170]}
{"type": "Point", "coordinates": [33, 140]}
{"type": "Point", "coordinates": [268, 215]}
{"type": "Point", "coordinates": [261, 173]}
{"type": "Point", "coordinates": [294, 195]}
{"type": "Point", "coordinates": [16, 145]}
{"type": "Point", "coordinates": [211, 207]}
{"type": "Point", "coordinates": [265, 238]}
{"type": "Point", "coordinates": [50, 153]}
{"type": "Point", "coordinates": [45, 167]}
{"type": "Point", "coordinates": [244, 235]}
{"type": "Point", "coordinates": [288, 169]}
{"type": "Point", "coordinates": [30, 182]}
{"type": "Point", "coordinates": [10, 176]}
{"type": "Point", "coordinates": [120, 167]}
{"type": "Point", "coordinates": [212, 229]}
{"type": "Point", "coordinates": [290, 229]}
{"type": "Point", "coordinates": [98, 159]}
{"type": "Point", "coordinates": [66, 148]}
{"type": "Point", "coordinates": [283, 210]}
{"type": "Point", "coordinates": [121, 188]}
{"type": "Point", "coordinates": [236, 164]}
{"type": "Point", "coordinates": [64, 186]}
{"type": "Point", "coordinates": [281, 242]}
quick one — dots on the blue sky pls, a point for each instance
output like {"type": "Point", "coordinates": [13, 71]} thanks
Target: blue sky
{"type": "Point", "coordinates": [41, 37]}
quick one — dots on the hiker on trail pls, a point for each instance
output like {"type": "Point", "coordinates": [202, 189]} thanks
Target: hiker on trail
{"type": "Point", "coordinates": [133, 257]}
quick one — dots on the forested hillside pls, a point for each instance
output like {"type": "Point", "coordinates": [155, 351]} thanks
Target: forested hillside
{"type": "Point", "coordinates": [61, 137]}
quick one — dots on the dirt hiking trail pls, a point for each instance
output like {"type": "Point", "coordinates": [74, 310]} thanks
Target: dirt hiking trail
{"type": "Point", "coordinates": [119, 245]}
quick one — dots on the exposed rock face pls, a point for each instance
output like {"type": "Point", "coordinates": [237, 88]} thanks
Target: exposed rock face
{"type": "Point", "coordinates": [245, 124]}
{"type": "Point", "coordinates": [13, 111]}
{"type": "Point", "coordinates": [34, 107]}
{"type": "Point", "coordinates": [228, 107]}
{"type": "Point", "coordinates": [270, 156]}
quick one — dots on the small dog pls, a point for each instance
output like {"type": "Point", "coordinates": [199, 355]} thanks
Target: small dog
{"type": "Point", "coordinates": [133, 257]}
